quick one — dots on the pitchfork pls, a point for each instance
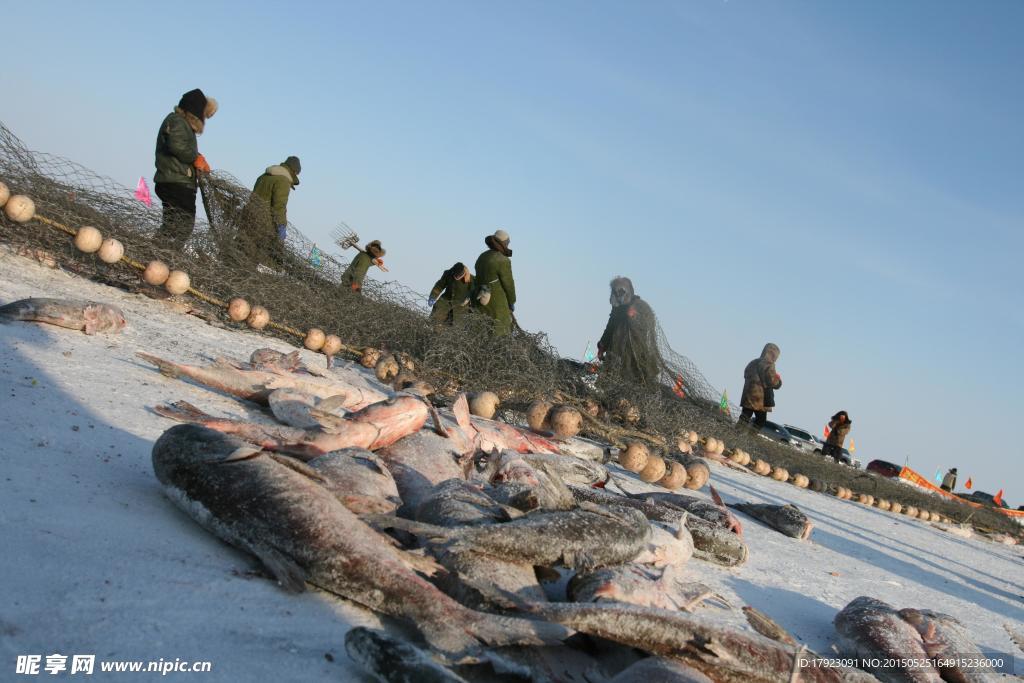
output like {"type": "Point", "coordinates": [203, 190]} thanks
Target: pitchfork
{"type": "Point", "coordinates": [345, 237]}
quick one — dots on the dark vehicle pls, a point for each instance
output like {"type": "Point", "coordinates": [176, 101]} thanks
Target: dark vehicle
{"type": "Point", "coordinates": [884, 469]}
{"type": "Point", "coordinates": [983, 498]}
{"type": "Point", "coordinates": [777, 432]}
{"type": "Point", "coordinates": [842, 455]}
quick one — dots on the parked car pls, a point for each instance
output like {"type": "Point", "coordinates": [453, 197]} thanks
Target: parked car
{"type": "Point", "coordinates": [983, 498]}
{"type": "Point", "coordinates": [777, 432]}
{"type": "Point", "coordinates": [807, 441]}
{"type": "Point", "coordinates": [884, 468]}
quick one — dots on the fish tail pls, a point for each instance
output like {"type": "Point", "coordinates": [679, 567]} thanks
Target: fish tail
{"type": "Point", "coordinates": [183, 411]}
{"type": "Point", "coordinates": [166, 367]}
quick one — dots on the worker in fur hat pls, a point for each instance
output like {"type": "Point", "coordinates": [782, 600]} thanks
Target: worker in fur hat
{"type": "Point", "coordinates": [760, 380]}
{"type": "Point", "coordinates": [450, 298]}
{"type": "Point", "coordinates": [178, 163]}
{"type": "Point", "coordinates": [629, 343]}
{"type": "Point", "coordinates": [495, 288]}
{"type": "Point", "coordinates": [273, 188]}
{"type": "Point", "coordinates": [372, 255]}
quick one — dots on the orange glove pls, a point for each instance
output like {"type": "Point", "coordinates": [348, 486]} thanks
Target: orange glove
{"type": "Point", "coordinates": [201, 165]}
{"type": "Point", "coordinates": [356, 287]}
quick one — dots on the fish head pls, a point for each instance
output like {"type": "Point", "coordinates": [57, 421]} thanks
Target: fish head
{"type": "Point", "coordinates": [189, 450]}
{"type": "Point", "coordinates": [395, 418]}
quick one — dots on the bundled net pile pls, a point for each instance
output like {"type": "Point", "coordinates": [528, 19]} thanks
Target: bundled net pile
{"type": "Point", "coordinates": [303, 291]}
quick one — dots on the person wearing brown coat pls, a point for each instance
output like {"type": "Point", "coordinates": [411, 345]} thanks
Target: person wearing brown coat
{"type": "Point", "coordinates": [838, 428]}
{"type": "Point", "coordinates": [760, 380]}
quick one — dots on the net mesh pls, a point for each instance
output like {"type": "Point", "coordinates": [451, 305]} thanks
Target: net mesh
{"type": "Point", "coordinates": [235, 251]}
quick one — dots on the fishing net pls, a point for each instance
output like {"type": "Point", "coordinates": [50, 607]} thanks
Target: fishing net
{"type": "Point", "coordinates": [234, 251]}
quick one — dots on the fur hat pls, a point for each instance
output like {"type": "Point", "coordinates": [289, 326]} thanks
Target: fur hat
{"type": "Point", "coordinates": [501, 236]}
{"type": "Point", "coordinates": [194, 102]}
{"type": "Point", "coordinates": [293, 165]}
{"type": "Point", "coordinates": [458, 271]}
{"type": "Point", "coordinates": [375, 249]}
{"type": "Point", "coordinates": [622, 291]}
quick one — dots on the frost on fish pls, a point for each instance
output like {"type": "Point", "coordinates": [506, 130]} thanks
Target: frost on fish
{"type": "Point", "coordinates": [711, 542]}
{"type": "Point", "coordinates": [641, 586]}
{"type": "Point", "coordinates": [872, 629]}
{"type": "Point", "coordinates": [298, 529]}
{"type": "Point", "coordinates": [582, 539]}
{"type": "Point", "coordinates": [786, 519]}
{"type": "Point", "coordinates": [90, 317]}
{"type": "Point", "coordinates": [359, 480]}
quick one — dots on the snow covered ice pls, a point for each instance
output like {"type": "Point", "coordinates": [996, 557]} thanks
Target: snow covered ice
{"type": "Point", "coordinates": [97, 561]}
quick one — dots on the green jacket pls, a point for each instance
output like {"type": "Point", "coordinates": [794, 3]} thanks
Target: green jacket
{"type": "Point", "coordinates": [494, 270]}
{"type": "Point", "coordinates": [273, 187]}
{"type": "Point", "coordinates": [356, 271]}
{"type": "Point", "coordinates": [450, 294]}
{"type": "Point", "coordinates": [176, 151]}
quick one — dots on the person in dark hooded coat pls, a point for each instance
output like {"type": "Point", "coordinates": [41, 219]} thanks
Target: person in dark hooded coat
{"type": "Point", "coordinates": [838, 428]}
{"type": "Point", "coordinates": [178, 164]}
{"type": "Point", "coordinates": [629, 344]}
{"type": "Point", "coordinates": [760, 380]}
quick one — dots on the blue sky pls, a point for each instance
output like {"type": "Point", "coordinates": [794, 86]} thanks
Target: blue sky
{"type": "Point", "coordinates": [843, 179]}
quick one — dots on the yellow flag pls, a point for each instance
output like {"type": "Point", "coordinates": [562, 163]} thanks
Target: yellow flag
{"type": "Point", "coordinates": [852, 447]}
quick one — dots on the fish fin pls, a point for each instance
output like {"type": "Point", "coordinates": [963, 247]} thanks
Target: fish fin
{"type": "Point", "coordinates": [420, 563]}
{"type": "Point", "coordinates": [417, 528]}
{"type": "Point", "coordinates": [329, 422]}
{"type": "Point", "coordinates": [332, 404]}
{"type": "Point", "coordinates": [435, 417]}
{"type": "Point", "coordinates": [461, 410]}
{"type": "Point", "coordinates": [242, 453]}
{"type": "Point", "coordinates": [373, 462]}
{"type": "Point", "coordinates": [508, 513]}
{"type": "Point", "coordinates": [715, 497]}
{"type": "Point", "coordinates": [166, 367]}
{"type": "Point", "coordinates": [298, 466]}
{"type": "Point", "coordinates": [289, 575]}
{"type": "Point", "coordinates": [182, 411]}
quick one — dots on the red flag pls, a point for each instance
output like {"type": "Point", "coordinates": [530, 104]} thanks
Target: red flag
{"type": "Point", "coordinates": [968, 484]}
{"type": "Point", "coordinates": [998, 500]}
{"type": "Point", "coordinates": [826, 431]}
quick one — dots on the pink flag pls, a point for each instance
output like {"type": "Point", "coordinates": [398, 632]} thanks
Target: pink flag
{"type": "Point", "coordinates": [142, 193]}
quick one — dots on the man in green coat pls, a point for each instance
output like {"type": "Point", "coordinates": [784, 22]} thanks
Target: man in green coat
{"type": "Point", "coordinates": [495, 288]}
{"type": "Point", "coordinates": [354, 275]}
{"type": "Point", "coordinates": [273, 189]}
{"type": "Point", "coordinates": [450, 297]}
{"type": "Point", "coordinates": [178, 162]}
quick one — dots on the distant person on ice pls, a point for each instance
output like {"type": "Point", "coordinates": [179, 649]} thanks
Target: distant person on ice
{"type": "Point", "coordinates": [354, 275]}
{"type": "Point", "coordinates": [274, 188]}
{"type": "Point", "coordinates": [450, 298]}
{"type": "Point", "coordinates": [838, 429]}
{"type": "Point", "coordinates": [949, 481]}
{"type": "Point", "coordinates": [495, 288]}
{"type": "Point", "coordinates": [629, 343]}
{"type": "Point", "coordinates": [178, 163]}
{"type": "Point", "coordinates": [760, 380]}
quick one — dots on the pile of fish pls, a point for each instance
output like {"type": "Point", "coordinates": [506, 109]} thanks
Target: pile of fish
{"type": "Point", "coordinates": [498, 548]}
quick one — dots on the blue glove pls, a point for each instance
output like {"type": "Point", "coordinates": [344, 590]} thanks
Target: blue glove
{"type": "Point", "coordinates": [512, 308]}
{"type": "Point", "coordinates": [431, 301]}
{"type": "Point", "coordinates": [282, 232]}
